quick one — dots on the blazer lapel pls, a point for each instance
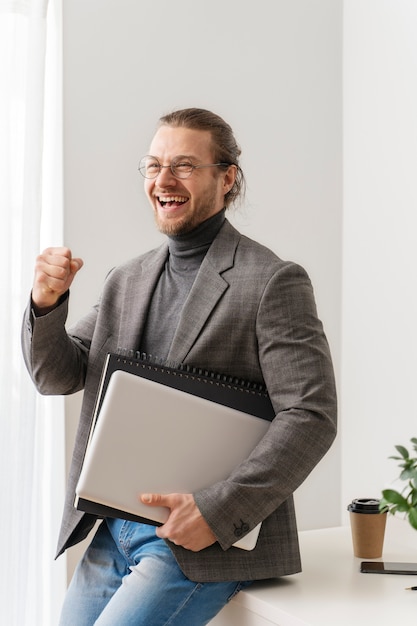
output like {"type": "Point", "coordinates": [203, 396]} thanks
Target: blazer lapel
{"type": "Point", "coordinates": [207, 290]}
{"type": "Point", "coordinates": [136, 302]}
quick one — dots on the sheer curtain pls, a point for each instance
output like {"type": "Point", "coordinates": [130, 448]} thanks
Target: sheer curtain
{"type": "Point", "coordinates": [31, 428]}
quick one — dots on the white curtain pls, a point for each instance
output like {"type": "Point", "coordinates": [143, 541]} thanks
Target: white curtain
{"type": "Point", "coordinates": [32, 455]}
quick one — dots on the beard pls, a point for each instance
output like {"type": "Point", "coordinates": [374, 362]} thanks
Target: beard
{"type": "Point", "coordinates": [179, 226]}
{"type": "Point", "coordinates": [190, 220]}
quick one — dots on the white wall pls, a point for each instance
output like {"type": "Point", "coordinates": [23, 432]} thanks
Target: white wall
{"type": "Point", "coordinates": [380, 240]}
{"type": "Point", "coordinates": [273, 70]}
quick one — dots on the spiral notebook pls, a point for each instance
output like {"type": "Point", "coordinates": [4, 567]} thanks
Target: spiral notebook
{"type": "Point", "coordinates": [159, 429]}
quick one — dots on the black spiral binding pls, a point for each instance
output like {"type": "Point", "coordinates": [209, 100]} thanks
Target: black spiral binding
{"type": "Point", "coordinates": [237, 393]}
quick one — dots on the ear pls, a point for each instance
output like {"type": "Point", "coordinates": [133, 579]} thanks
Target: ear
{"type": "Point", "coordinates": [229, 178]}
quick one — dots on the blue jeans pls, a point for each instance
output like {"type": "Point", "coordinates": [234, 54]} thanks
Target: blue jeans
{"type": "Point", "coordinates": [129, 577]}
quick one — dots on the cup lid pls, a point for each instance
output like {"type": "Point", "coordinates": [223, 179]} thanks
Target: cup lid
{"type": "Point", "coordinates": [364, 505]}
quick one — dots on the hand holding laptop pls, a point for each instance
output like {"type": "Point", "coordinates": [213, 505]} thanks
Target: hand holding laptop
{"type": "Point", "coordinates": [185, 525]}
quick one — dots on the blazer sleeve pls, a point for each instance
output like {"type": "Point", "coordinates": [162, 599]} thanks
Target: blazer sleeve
{"type": "Point", "coordinates": [56, 360]}
{"type": "Point", "coordinates": [296, 364]}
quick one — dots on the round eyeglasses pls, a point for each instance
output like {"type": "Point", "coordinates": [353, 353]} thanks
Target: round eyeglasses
{"type": "Point", "coordinates": [181, 167]}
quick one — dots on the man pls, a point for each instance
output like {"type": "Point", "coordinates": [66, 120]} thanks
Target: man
{"type": "Point", "coordinates": [208, 297]}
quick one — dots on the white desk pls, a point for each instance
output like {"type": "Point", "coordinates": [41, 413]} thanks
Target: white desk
{"type": "Point", "coordinates": [331, 591]}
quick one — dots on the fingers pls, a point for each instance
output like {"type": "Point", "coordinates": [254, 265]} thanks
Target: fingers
{"type": "Point", "coordinates": [54, 272]}
{"type": "Point", "coordinates": [156, 499]}
{"type": "Point", "coordinates": [76, 264]}
{"type": "Point", "coordinates": [185, 525]}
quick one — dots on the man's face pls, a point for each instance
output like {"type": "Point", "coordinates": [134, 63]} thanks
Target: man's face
{"type": "Point", "coordinates": [182, 204]}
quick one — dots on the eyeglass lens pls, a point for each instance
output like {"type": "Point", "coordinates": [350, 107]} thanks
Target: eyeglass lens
{"type": "Point", "coordinates": [180, 167]}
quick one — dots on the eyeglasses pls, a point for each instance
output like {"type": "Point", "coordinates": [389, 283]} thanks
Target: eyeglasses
{"type": "Point", "coordinates": [181, 167]}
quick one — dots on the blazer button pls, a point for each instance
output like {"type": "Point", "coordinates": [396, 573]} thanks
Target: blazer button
{"type": "Point", "coordinates": [241, 530]}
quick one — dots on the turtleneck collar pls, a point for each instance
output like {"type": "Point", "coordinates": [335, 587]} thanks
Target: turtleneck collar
{"type": "Point", "coordinates": [199, 239]}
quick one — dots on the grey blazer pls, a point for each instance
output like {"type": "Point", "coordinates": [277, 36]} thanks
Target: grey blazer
{"type": "Point", "coordinates": [249, 314]}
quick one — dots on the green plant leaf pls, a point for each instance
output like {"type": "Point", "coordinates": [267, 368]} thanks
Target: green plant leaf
{"type": "Point", "coordinates": [412, 518]}
{"type": "Point", "coordinates": [407, 474]}
{"type": "Point", "coordinates": [406, 501]}
{"type": "Point", "coordinates": [396, 498]}
{"type": "Point", "coordinates": [383, 505]}
{"type": "Point", "coordinates": [403, 451]}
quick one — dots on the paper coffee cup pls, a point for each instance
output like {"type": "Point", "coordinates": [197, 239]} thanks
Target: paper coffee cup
{"type": "Point", "coordinates": [368, 528]}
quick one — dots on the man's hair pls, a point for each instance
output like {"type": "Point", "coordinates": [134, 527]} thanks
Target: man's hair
{"type": "Point", "coordinates": [225, 147]}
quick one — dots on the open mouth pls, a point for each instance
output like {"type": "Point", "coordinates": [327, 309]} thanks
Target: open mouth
{"type": "Point", "coordinates": [171, 202]}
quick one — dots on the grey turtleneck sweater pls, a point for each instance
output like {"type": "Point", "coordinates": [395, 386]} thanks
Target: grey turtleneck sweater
{"type": "Point", "coordinates": [186, 253]}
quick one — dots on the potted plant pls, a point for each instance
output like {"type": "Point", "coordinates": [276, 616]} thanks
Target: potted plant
{"type": "Point", "coordinates": [404, 501]}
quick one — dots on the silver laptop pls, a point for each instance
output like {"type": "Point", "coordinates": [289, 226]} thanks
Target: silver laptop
{"type": "Point", "coordinates": [151, 438]}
